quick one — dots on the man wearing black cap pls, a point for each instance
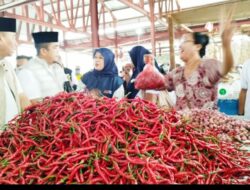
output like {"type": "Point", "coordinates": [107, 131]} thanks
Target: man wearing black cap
{"type": "Point", "coordinates": [12, 99]}
{"type": "Point", "coordinates": [42, 77]}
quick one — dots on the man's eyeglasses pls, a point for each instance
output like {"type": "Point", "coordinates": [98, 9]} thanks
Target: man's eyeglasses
{"type": "Point", "coordinates": [187, 41]}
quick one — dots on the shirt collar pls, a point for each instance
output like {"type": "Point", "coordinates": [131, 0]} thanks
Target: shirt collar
{"type": "Point", "coordinates": [43, 62]}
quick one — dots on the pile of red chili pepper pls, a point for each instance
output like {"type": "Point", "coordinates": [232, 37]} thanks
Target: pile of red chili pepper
{"type": "Point", "coordinates": [75, 139]}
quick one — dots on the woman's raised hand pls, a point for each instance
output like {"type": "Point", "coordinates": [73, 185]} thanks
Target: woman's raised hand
{"type": "Point", "coordinates": [226, 26]}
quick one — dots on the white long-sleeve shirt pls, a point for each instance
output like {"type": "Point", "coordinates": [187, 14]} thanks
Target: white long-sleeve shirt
{"type": "Point", "coordinates": [39, 79]}
{"type": "Point", "coordinates": [10, 90]}
{"type": "Point", "coordinates": [245, 84]}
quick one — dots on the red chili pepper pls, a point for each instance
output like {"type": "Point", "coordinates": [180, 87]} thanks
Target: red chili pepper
{"type": "Point", "coordinates": [59, 173]}
{"type": "Point", "coordinates": [97, 167]}
{"type": "Point", "coordinates": [134, 160]}
{"type": "Point", "coordinates": [97, 180]}
{"type": "Point", "coordinates": [121, 172]}
{"type": "Point", "coordinates": [151, 173]}
{"type": "Point", "coordinates": [90, 177]}
{"type": "Point", "coordinates": [105, 147]}
{"type": "Point", "coordinates": [77, 157]}
{"type": "Point", "coordinates": [8, 182]}
{"type": "Point", "coordinates": [42, 168]}
{"type": "Point", "coordinates": [74, 172]}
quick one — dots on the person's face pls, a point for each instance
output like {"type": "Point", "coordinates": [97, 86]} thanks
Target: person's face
{"type": "Point", "coordinates": [21, 62]}
{"type": "Point", "coordinates": [8, 43]}
{"type": "Point", "coordinates": [148, 59]}
{"type": "Point", "coordinates": [98, 61]}
{"type": "Point", "coordinates": [51, 54]}
{"type": "Point", "coordinates": [127, 72]}
{"type": "Point", "coordinates": [128, 68]}
{"type": "Point", "coordinates": [187, 47]}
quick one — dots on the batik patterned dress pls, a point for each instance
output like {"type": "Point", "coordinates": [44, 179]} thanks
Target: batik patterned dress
{"type": "Point", "coordinates": [198, 90]}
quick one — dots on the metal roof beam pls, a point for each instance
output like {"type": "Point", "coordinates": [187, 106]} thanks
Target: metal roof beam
{"type": "Point", "coordinates": [15, 4]}
{"type": "Point", "coordinates": [159, 36]}
{"type": "Point", "coordinates": [136, 7]}
{"type": "Point", "coordinates": [121, 41]}
{"type": "Point", "coordinates": [141, 10]}
{"type": "Point", "coordinates": [38, 22]}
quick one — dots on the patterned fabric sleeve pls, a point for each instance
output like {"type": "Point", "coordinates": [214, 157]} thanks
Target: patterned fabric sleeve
{"type": "Point", "coordinates": [212, 71]}
{"type": "Point", "coordinates": [171, 78]}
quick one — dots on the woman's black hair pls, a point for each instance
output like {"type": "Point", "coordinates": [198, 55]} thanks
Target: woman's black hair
{"type": "Point", "coordinates": [201, 39]}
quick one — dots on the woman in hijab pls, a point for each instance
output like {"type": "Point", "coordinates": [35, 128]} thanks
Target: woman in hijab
{"type": "Point", "coordinates": [104, 78]}
{"type": "Point", "coordinates": [137, 57]}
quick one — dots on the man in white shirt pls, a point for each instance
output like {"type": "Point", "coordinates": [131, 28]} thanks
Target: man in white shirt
{"type": "Point", "coordinates": [12, 99]}
{"type": "Point", "coordinates": [244, 98]}
{"type": "Point", "coordinates": [42, 76]}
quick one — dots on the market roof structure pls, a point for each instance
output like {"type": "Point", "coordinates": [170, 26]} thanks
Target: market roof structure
{"type": "Point", "coordinates": [120, 22]}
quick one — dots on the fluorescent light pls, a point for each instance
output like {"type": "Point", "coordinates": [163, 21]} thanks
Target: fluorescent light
{"type": "Point", "coordinates": [132, 26]}
{"type": "Point", "coordinates": [74, 35]}
{"type": "Point", "coordinates": [106, 31]}
{"type": "Point", "coordinates": [127, 27]}
{"type": "Point", "coordinates": [139, 31]}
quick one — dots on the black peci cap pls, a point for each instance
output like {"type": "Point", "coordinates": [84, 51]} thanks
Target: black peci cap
{"type": "Point", "coordinates": [45, 37]}
{"type": "Point", "coordinates": [7, 24]}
